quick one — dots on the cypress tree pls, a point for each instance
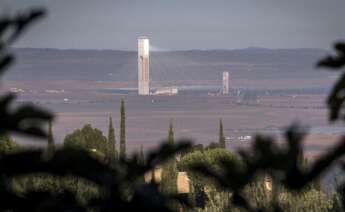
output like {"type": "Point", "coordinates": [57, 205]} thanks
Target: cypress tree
{"type": "Point", "coordinates": [111, 140]}
{"type": "Point", "coordinates": [141, 158]}
{"type": "Point", "coordinates": [141, 161]}
{"type": "Point", "coordinates": [221, 135]}
{"type": "Point", "coordinates": [122, 130]}
{"type": "Point", "coordinates": [51, 145]}
{"type": "Point", "coordinates": [171, 133]}
{"type": "Point", "coordinates": [169, 170]}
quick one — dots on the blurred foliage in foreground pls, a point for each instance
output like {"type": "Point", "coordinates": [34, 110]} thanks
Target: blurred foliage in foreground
{"type": "Point", "coordinates": [237, 182]}
{"type": "Point", "coordinates": [283, 164]}
{"type": "Point", "coordinates": [28, 178]}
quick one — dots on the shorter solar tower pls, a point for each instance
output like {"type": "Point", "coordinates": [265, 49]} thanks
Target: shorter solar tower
{"type": "Point", "coordinates": [225, 83]}
{"type": "Point", "coordinates": [143, 66]}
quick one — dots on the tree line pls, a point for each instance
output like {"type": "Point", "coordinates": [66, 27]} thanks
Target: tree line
{"type": "Point", "coordinates": [92, 139]}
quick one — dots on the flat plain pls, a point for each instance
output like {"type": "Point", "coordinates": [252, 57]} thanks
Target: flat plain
{"type": "Point", "coordinates": [194, 117]}
{"type": "Point", "coordinates": [270, 89]}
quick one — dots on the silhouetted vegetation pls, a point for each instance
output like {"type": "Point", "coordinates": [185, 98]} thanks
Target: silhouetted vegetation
{"type": "Point", "coordinates": [51, 145]}
{"type": "Point", "coordinates": [221, 137]}
{"type": "Point", "coordinates": [336, 98]}
{"type": "Point", "coordinates": [7, 145]}
{"type": "Point", "coordinates": [25, 119]}
{"type": "Point", "coordinates": [89, 139]}
{"type": "Point", "coordinates": [122, 130]}
{"type": "Point", "coordinates": [72, 179]}
{"type": "Point", "coordinates": [117, 186]}
{"type": "Point", "coordinates": [112, 150]}
{"type": "Point", "coordinates": [282, 163]}
{"type": "Point", "coordinates": [169, 169]}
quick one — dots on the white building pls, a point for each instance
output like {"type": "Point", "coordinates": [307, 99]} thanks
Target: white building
{"type": "Point", "coordinates": [166, 91]}
{"type": "Point", "coordinates": [226, 83]}
{"type": "Point", "coordinates": [143, 66]}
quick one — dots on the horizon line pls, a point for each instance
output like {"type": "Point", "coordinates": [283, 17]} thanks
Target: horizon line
{"type": "Point", "coordinates": [172, 50]}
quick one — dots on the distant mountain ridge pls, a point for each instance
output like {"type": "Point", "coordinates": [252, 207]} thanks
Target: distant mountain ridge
{"type": "Point", "coordinates": [119, 65]}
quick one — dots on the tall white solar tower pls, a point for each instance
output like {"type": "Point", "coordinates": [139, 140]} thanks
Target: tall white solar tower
{"type": "Point", "coordinates": [143, 66]}
{"type": "Point", "coordinates": [225, 83]}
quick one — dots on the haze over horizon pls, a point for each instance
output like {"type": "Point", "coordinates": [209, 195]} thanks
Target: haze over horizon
{"type": "Point", "coordinates": [183, 25]}
{"type": "Point", "coordinates": [157, 49]}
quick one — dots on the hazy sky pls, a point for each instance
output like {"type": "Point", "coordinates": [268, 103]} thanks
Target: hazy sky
{"type": "Point", "coordinates": [184, 24]}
